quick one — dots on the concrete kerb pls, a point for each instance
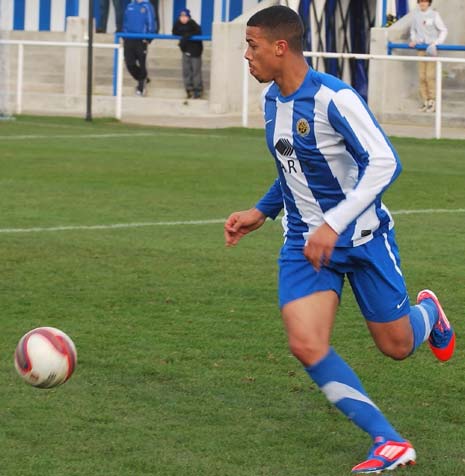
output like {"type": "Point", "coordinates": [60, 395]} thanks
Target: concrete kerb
{"type": "Point", "coordinates": [255, 121]}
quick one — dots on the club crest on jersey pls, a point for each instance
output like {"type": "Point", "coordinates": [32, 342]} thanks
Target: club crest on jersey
{"type": "Point", "coordinates": [303, 127]}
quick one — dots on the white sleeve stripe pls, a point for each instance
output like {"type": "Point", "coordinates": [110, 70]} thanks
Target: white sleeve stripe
{"type": "Point", "coordinates": [379, 171]}
{"type": "Point", "coordinates": [369, 135]}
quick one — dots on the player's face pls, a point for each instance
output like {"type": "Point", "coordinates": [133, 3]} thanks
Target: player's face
{"type": "Point", "coordinates": [260, 54]}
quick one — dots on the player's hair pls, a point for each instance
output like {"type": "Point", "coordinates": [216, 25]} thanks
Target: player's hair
{"type": "Point", "coordinates": [280, 23]}
{"type": "Point", "coordinates": [429, 1]}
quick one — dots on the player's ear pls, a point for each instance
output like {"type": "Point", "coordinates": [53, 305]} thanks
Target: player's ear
{"type": "Point", "coordinates": [281, 47]}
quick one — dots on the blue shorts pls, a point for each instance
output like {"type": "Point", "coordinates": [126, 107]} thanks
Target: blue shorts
{"type": "Point", "coordinates": [373, 271]}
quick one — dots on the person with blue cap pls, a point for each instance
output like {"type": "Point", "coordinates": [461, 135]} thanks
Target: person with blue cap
{"type": "Point", "coordinates": [186, 28]}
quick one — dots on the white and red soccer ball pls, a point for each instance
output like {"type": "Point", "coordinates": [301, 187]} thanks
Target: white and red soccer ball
{"type": "Point", "coordinates": [45, 357]}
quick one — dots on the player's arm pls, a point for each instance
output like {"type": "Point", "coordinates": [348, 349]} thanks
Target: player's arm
{"type": "Point", "coordinates": [240, 223]}
{"type": "Point", "coordinates": [320, 245]}
{"type": "Point", "coordinates": [413, 35]}
{"type": "Point", "coordinates": [363, 137]}
{"type": "Point", "coordinates": [272, 202]}
{"type": "Point", "coordinates": [442, 29]}
{"type": "Point", "coordinates": [196, 30]}
{"type": "Point", "coordinates": [379, 162]}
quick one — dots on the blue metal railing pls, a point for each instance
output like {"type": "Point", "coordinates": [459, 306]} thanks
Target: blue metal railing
{"type": "Point", "coordinates": [384, 13]}
{"type": "Point", "coordinates": [144, 36]}
{"type": "Point", "coordinates": [404, 46]}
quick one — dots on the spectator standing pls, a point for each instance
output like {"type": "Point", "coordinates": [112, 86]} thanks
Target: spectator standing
{"type": "Point", "coordinates": [186, 27]}
{"type": "Point", "coordinates": [427, 29]}
{"type": "Point", "coordinates": [156, 9]}
{"type": "Point", "coordinates": [139, 17]}
{"type": "Point", "coordinates": [104, 5]}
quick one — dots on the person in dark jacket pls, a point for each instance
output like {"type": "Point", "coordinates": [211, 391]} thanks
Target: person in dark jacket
{"type": "Point", "coordinates": [139, 17]}
{"type": "Point", "coordinates": [104, 10]}
{"type": "Point", "coordinates": [186, 27]}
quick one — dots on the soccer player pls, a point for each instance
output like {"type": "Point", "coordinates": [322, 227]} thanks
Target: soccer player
{"type": "Point", "coordinates": [334, 163]}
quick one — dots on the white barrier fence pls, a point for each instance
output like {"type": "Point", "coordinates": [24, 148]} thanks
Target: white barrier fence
{"type": "Point", "coordinates": [20, 66]}
{"type": "Point", "coordinates": [119, 86]}
{"type": "Point", "coordinates": [436, 59]}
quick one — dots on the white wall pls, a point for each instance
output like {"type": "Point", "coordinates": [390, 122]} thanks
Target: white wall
{"type": "Point", "coordinates": [6, 15]}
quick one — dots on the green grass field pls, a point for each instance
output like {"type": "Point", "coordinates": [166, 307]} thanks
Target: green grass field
{"type": "Point", "coordinates": [183, 364]}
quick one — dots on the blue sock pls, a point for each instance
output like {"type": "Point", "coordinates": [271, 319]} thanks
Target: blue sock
{"type": "Point", "coordinates": [423, 316]}
{"type": "Point", "coordinates": [343, 388]}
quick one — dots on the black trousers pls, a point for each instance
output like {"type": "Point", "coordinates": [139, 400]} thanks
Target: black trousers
{"type": "Point", "coordinates": [135, 55]}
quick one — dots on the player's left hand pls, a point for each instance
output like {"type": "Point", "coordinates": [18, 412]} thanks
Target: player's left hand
{"type": "Point", "coordinates": [240, 223]}
{"type": "Point", "coordinates": [320, 245]}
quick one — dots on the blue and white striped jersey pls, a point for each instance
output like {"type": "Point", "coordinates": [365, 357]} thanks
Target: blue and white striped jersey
{"type": "Point", "coordinates": [333, 160]}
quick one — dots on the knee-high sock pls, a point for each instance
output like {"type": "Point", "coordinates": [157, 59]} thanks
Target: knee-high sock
{"type": "Point", "coordinates": [423, 316]}
{"type": "Point", "coordinates": [343, 388]}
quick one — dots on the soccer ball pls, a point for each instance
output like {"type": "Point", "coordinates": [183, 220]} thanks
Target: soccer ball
{"type": "Point", "coordinates": [45, 357]}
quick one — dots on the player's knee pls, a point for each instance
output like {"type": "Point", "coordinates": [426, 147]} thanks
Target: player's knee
{"type": "Point", "coordinates": [397, 350]}
{"type": "Point", "coordinates": [308, 351]}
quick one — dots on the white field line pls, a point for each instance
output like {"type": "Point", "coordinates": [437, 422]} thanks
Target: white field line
{"type": "Point", "coordinates": [428, 210]}
{"type": "Point", "coordinates": [110, 227]}
{"type": "Point", "coordinates": [188, 222]}
{"type": "Point", "coordinates": [73, 136]}
{"type": "Point", "coordinates": [112, 135]}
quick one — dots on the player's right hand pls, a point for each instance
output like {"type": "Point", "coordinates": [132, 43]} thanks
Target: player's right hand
{"type": "Point", "coordinates": [240, 223]}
